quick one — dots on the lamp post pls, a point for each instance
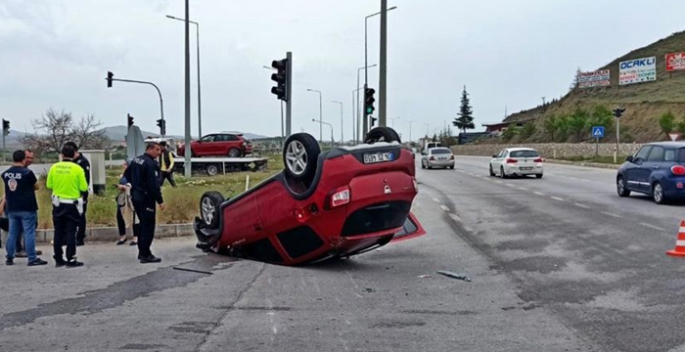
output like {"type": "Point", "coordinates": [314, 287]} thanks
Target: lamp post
{"type": "Point", "coordinates": [366, 53]}
{"type": "Point", "coordinates": [342, 138]}
{"type": "Point", "coordinates": [199, 91]}
{"type": "Point", "coordinates": [358, 130]}
{"type": "Point", "coordinates": [320, 112]}
{"type": "Point", "coordinates": [321, 123]}
{"type": "Point", "coordinates": [410, 122]}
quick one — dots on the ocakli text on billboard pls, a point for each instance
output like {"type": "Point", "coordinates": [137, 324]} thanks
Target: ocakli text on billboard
{"type": "Point", "coordinates": [601, 78]}
{"type": "Point", "coordinates": [637, 71]}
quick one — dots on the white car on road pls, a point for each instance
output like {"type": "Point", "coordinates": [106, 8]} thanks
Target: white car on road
{"type": "Point", "coordinates": [437, 157]}
{"type": "Point", "coordinates": [516, 161]}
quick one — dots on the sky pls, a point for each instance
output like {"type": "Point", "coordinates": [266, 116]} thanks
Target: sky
{"type": "Point", "coordinates": [507, 53]}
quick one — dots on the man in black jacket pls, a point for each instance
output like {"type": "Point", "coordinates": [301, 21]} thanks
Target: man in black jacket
{"type": "Point", "coordinates": [85, 165]}
{"type": "Point", "coordinates": [143, 174]}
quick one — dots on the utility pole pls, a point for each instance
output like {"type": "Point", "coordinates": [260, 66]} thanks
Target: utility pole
{"type": "Point", "coordinates": [410, 122]}
{"type": "Point", "coordinates": [110, 78]}
{"type": "Point", "coordinates": [342, 119]}
{"type": "Point", "coordinates": [383, 94]}
{"type": "Point", "coordinates": [187, 93]}
{"type": "Point", "coordinates": [289, 94]}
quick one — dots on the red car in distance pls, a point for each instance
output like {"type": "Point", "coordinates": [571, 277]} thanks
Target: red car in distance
{"type": "Point", "coordinates": [339, 203]}
{"type": "Point", "coordinates": [226, 144]}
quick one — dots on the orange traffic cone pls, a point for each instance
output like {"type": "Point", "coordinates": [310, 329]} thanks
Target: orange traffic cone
{"type": "Point", "coordinates": [679, 250]}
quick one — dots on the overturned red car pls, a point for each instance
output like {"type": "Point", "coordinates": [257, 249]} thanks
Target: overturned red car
{"type": "Point", "coordinates": [339, 203]}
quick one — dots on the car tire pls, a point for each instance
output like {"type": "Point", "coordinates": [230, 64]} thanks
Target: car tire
{"type": "Point", "coordinates": [621, 187]}
{"type": "Point", "coordinates": [234, 153]}
{"type": "Point", "coordinates": [382, 134]}
{"type": "Point", "coordinates": [423, 166]}
{"type": "Point", "coordinates": [210, 208]}
{"type": "Point", "coordinates": [492, 173]}
{"type": "Point", "coordinates": [538, 176]}
{"type": "Point", "coordinates": [212, 169]}
{"type": "Point", "coordinates": [658, 193]}
{"type": "Point", "coordinates": [300, 156]}
{"type": "Point", "coordinates": [501, 172]}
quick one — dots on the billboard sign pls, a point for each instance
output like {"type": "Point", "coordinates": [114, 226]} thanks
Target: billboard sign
{"type": "Point", "coordinates": [675, 62]}
{"type": "Point", "coordinates": [601, 78]}
{"type": "Point", "coordinates": [637, 71]}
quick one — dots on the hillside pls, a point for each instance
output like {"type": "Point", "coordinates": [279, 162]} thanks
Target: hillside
{"type": "Point", "coordinates": [644, 102]}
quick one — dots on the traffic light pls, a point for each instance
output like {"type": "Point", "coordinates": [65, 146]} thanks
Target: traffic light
{"type": "Point", "coordinates": [162, 126]}
{"type": "Point", "coordinates": [130, 120]}
{"type": "Point", "coordinates": [618, 112]}
{"type": "Point", "coordinates": [5, 127]}
{"type": "Point", "coordinates": [368, 101]}
{"type": "Point", "coordinates": [110, 76]}
{"type": "Point", "coordinates": [373, 121]}
{"type": "Point", "coordinates": [281, 79]}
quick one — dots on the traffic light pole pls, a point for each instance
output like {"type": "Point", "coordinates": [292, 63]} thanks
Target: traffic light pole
{"type": "Point", "coordinates": [161, 101]}
{"type": "Point", "coordinates": [382, 88]}
{"type": "Point", "coordinates": [289, 94]}
{"type": "Point", "coordinates": [4, 150]}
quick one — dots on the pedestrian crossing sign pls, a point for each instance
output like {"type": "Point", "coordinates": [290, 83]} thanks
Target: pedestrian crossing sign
{"type": "Point", "coordinates": [598, 131]}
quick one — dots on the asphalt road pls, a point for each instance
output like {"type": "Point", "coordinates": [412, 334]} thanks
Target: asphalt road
{"type": "Point", "coordinates": [558, 264]}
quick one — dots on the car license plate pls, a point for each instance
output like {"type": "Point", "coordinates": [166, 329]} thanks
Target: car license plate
{"type": "Point", "coordinates": [526, 168]}
{"type": "Point", "coordinates": [372, 158]}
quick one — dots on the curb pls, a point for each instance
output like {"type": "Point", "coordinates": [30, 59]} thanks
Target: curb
{"type": "Point", "coordinates": [584, 164]}
{"type": "Point", "coordinates": [111, 234]}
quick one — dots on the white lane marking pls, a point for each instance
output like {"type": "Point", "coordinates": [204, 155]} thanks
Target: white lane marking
{"type": "Point", "coordinates": [455, 217]}
{"type": "Point", "coordinates": [510, 185]}
{"type": "Point", "coordinates": [436, 200]}
{"type": "Point", "coordinates": [462, 171]}
{"type": "Point", "coordinates": [444, 208]}
{"type": "Point", "coordinates": [500, 182]}
{"type": "Point", "coordinates": [539, 193]}
{"type": "Point", "coordinates": [523, 189]}
{"type": "Point", "coordinates": [611, 214]}
{"type": "Point", "coordinates": [581, 206]}
{"type": "Point", "coordinates": [652, 226]}
{"type": "Point", "coordinates": [557, 198]}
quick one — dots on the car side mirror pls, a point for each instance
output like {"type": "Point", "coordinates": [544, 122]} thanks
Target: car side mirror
{"type": "Point", "coordinates": [494, 156]}
{"type": "Point", "coordinates": [629, 159]}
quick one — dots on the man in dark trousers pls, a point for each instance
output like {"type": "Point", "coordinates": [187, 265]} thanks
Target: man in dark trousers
{"type": "Point", "coordinates": [22, 208]}
{"type": "Point", "coordinates": [67, 181]}
{"type": "Point", "coordinates": [143, 174]}
{"type": "Point", "coordinates": [21, 253]}
{"type": "Point", "coordinates": [85, 165]}
{"type": "Point", "coordinates": [166, 164]}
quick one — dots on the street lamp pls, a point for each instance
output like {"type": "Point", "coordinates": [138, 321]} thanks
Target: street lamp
{"type": "Point", "coordinates": [329, 125]}
{"type": "Point", "coordinates": [359, 109]}
{"type": "Point", "coordinates": [356, 131]}
{"type": "Point", "coordinates": [366, 47]}
{"type": "Point", "coordinates": [199, 92]}
{"type": "Point", "coordinates": [282, 119]}
{"type": "Point", "coordinates": [320, 112]}
{"type": "Point", "coordinates": [342, 138]}
{"type": "Point", "coordinates": [410, 122]}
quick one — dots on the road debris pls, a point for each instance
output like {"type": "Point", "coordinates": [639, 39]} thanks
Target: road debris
{"type": "Point", "coordinates": [192, 270]}
{"type": "Point", "coordinates": [454, 275]}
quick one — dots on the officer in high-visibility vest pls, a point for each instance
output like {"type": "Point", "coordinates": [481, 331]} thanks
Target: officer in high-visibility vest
{"type": "Point", "coordinates": [85, 165]}
{"type": "Point", "coordinates": [143, 174]}
{"type": "Point", "coordinates": [67, 181]}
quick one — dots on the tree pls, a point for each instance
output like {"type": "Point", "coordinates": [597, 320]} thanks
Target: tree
{"type": "Point", "coordinates": [550, 126]}
{"type": "Point", "coordinates": [464, 121]}
{"type": "Point", "coordinates": [601, 116]}
{"type": "Point", "coordinates": [510, 133]}
{"type": "Point", "coordinates": [561, 128]}
{"type": "Point", "coordinates": [667, 123]}
{"type": "Point", "coordinates": [56, 128]}
{"type": "Point", "coordinates": [574, 84]}
{"type": "Point", "coordinates": [528, 130]}
{"type": "Point", "coordinates": [578, 123]}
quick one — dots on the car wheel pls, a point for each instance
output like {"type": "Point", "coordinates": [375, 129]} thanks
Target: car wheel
{"type": "Point", "coordinates": [423, 166]}
{"type": "Point", "coordinates": [621, 187]}
{"type": "Point", "coordinates": [492, 173]}
{"type": "Point", "coordinates": [300, 156]}
{"type": "Point", "coordinates": [382, 134]}
{"type": "Point", "coordinates": [233, 153]}
{"type": "Point", "coordinates": [501, 172]}
{"type": "Point", "coordinates": [538, 176]}
{"type": "Point", "coordinates": [212, 169]}
{"type": "Point", "coordinates": [210, 208]}
{"type": "Point", "coordinates": [658, 193]}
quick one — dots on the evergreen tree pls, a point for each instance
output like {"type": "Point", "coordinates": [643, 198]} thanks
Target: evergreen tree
{"type": "Point", "coordinates": [464, 121]}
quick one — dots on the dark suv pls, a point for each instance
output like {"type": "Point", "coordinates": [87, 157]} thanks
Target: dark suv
{"type": "Point", "coordinates": [656, 169]}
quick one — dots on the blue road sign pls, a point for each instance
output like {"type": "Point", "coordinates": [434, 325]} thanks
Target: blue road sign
{"type": "Point", "coordinates": [598, 131]}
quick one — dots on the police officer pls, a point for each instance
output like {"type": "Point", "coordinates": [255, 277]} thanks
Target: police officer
{"type": "Point", "coordinates": [67, 181]}
{"type": "Point", "coordinates": [143, 174]}
{"type": "Point", "coordinates": [85, 165]}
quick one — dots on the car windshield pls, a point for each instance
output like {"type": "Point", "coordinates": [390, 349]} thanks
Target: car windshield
{"type": "Point", "coordinates": [524, 154]}
{"type": "Point", "coordinates": [440, 151]}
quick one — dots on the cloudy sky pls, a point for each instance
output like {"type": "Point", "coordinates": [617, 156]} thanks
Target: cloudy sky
{"type": "Point", "coordinates": [55, 53]}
